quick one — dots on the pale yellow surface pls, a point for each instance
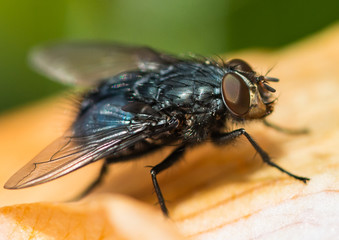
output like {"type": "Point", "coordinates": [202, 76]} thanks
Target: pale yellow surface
{"type": "Point", "coordinates": [214, 193]}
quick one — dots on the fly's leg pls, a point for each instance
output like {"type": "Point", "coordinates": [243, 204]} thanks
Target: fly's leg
{"type": "Point", "coordinates": [227, 137]}
{"type": "Point", "coordinates": [286, 130]}
{"type": "Point", "coordinates": [95, 183]}
{"type": "Point", "coordinates": [166, 163]}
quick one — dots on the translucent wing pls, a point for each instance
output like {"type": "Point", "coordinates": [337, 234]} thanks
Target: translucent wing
{"type": "Point", "coordinates": [86, 63]}
{"type": "Point", "coordinates": [68, 153]}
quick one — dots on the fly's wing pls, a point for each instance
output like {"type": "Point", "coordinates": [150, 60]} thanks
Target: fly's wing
{"type": "Point", "coordinates": [87, 63]}
{"type": "Point", "coordinates": [69, 153]}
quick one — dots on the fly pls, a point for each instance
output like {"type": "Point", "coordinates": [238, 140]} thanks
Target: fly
{"type": "Point", "coordinates": [141, 100]}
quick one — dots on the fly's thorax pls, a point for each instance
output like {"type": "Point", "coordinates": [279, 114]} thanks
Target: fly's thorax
{"type": "Point", "coordinates": [197, 127]}
{"type": "Point", "coordinates": [183, 85]}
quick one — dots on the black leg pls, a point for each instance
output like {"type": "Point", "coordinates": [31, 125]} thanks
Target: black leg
{"type": "Point", "coordinates": [227, 137]}
{"type": "Point", "coordinates": [285, 130]}
{"type": "Point", "coordinates": [166, 163]}
{"type": "Point", "coordinates": [95, 183]}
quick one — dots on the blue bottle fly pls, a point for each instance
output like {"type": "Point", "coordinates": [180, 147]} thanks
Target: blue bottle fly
{"type": "Point", "coordinates": [142, 100]}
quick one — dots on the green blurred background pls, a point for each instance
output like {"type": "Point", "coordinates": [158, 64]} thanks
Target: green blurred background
{"type": "Point", "coordinates": [204, 27]}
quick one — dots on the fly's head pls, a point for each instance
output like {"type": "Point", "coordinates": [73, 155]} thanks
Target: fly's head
{"type": "Point", "coordinates": [245, 93]}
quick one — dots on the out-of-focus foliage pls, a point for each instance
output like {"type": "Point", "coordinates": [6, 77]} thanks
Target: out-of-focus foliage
{"type": "Point", "coordinates": [205, 27]}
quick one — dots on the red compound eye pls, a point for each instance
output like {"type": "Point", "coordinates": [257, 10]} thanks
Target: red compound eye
{"type": "Point", "coordinates": [240, 65]}
{"type": "Point", "coordinates": [236, 94]}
